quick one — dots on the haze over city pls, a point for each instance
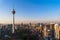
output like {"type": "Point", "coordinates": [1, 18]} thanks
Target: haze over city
{"type": "Point", "coordinates": [30, 11]}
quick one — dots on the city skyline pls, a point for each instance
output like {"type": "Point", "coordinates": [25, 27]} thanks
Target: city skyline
{"type": "Point", "coordinates": [30, 11]}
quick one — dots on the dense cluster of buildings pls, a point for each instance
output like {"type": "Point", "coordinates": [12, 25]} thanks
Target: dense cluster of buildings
{"type": "Point", "coordinates": [51, 31]}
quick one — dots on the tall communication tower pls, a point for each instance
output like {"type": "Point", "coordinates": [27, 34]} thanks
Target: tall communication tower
{"type": "Point", "coordinates": [13, 26]}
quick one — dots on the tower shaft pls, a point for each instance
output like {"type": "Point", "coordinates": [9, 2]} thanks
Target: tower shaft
{"type": "Point", "coordinates": [13, 26]}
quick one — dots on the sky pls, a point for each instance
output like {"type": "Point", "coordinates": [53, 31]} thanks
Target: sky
{"type": "Point", "coordinates": [30, 11]}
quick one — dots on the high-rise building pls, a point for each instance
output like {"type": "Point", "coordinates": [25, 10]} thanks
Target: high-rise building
{"type": "Point", "coordinates": [45, 33]}
{"type": "Point", "coordinates": [56, 27]}
{"type": "Point", "coordinates": [52, 31]}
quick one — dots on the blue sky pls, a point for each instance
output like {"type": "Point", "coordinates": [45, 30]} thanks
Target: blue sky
{"type": "Point", "coordinates": [30, 10]}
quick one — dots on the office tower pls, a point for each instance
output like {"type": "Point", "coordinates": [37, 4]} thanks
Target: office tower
{"type": "Point", "coordinates": [45, 33]}
{"type": "Point", "coordinates": [56, 27]}
{"type": "Point", "coordinates": [59, 31]}
{"type": "Point", "coordinates": [52, 31]}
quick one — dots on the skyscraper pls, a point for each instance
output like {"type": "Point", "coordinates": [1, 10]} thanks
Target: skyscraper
{"type": "Point", "coordinates": [13, 26]}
